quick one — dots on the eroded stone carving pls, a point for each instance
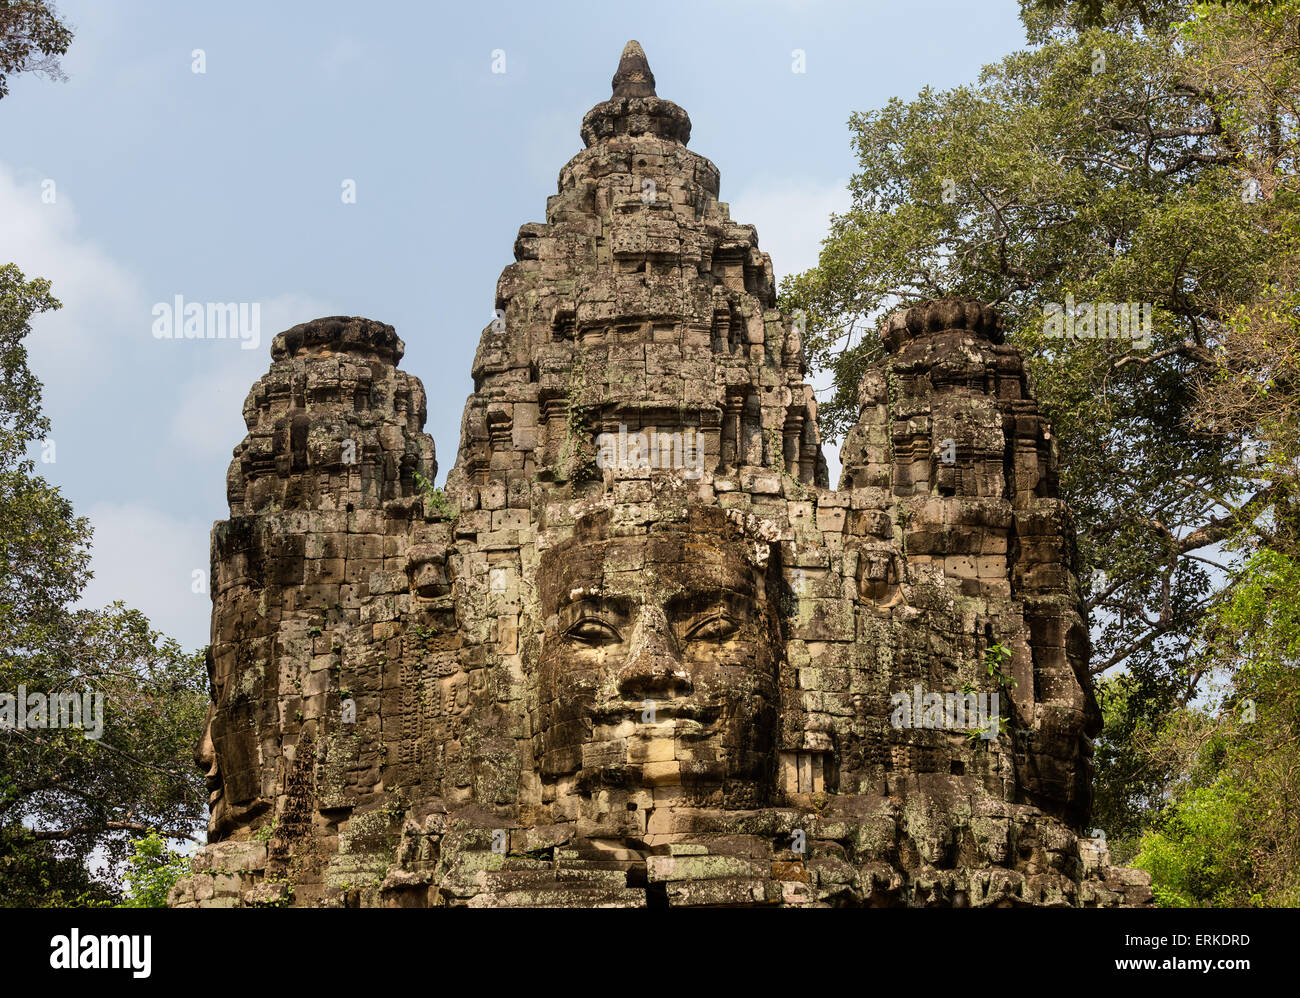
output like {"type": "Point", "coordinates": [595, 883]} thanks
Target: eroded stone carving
{"type": "Point", "coordinates": [587, 677]}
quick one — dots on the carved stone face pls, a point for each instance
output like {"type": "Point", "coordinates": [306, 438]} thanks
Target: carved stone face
{"type": "Point", "coordinates": [228, 751]}
{"type": "Point", "coordinates": [430, 573]}
{"type": "Point", "coordinates": [658, 664]}
{"type": "Point", "coordinates": [205, 757]}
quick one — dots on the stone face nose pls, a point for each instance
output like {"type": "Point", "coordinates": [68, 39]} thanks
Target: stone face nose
{"type": "Point", "coordinates": [633, 77]}
{"type": "Point", "coordinates": [654, 668]}
{"type": "Point", "coordinates": [205, 753]}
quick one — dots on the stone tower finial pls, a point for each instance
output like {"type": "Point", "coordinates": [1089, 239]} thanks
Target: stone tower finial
{"type": "Point", "coordinates": [634, 108]}
{"type": "Point", "coordinates": [633, 77]}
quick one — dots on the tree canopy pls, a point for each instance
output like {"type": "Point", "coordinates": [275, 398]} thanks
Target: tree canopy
{"type": "Point", "coordinates": [68, 794]}
{"type": "Point", "coordinates": [1135, 152]}
{"type": "Point", "coordinates": [32, 39]}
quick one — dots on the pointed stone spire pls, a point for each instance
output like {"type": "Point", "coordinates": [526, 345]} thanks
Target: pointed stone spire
{"type": "Point", "coordinates": [634, 108]}
{"type": "Point", "coordinates": [633, 77]}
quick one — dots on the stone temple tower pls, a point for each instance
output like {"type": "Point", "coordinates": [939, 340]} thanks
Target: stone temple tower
{"type": "Point", "coordinates": [639, 303]}
{"type": "Point", "coordinates": [637, 652]}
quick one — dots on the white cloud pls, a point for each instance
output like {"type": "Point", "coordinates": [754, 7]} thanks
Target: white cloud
{"type": "Point", "coordinates": [98, 294]}
{"type": "Point", "coordinates": [792, 217]}
{"type": "Point", "coordinates": [342, 54]}
{"type": "Point", "coordinates": [208, 414]}
{"type": "Point", "coordinates": [143, 552]}
{"type": "Point", "coordinates": [147, 558]}
{"type": "Point", "coordinates": [551, 140]}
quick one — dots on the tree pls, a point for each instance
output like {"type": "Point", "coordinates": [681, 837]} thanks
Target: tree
{"type": "Point", "coordinates": [35, 875]}
{"type": "Point", "coordinates": [1139, 151]}
{"type": "Point", "coordinates": [68, 793]}
{"type": "Point", "coordinates": [151, 871]}
{"type": "Point", "coordinates": [44, 558]}
{"type": "Point", "coordinates": [1229, 831]}
{"type": "Point", "coordinates": [32, 38]}
{"type": "Point", "coordinates": [1146, 157]}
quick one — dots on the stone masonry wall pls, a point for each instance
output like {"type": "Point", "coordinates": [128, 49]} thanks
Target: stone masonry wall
{"type": "Point", "coordinates": [638, 652]}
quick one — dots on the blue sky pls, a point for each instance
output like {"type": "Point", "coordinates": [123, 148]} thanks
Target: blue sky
{"type": "Point", "coordinates": [226, 186]}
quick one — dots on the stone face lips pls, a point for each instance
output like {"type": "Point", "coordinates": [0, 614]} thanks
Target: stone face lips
{"type": "Point", "coordinates": [639, 653]}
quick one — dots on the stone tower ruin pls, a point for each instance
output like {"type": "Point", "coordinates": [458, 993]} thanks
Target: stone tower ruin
{"type": "Point", "coordinates": [637, 651]}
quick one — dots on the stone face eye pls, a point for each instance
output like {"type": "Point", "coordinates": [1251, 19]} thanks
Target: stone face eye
{"type": "Point", "coordinates": [718, 627]}
{"type": "Point", "coordinates": [593, 631]}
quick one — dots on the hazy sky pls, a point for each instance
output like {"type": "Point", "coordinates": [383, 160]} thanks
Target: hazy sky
{"type": "Point", "coordinates": [226, 186]}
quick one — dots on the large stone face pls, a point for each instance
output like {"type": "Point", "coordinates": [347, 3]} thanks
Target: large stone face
{"type": "Point", "coordinates": [639, 652]}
